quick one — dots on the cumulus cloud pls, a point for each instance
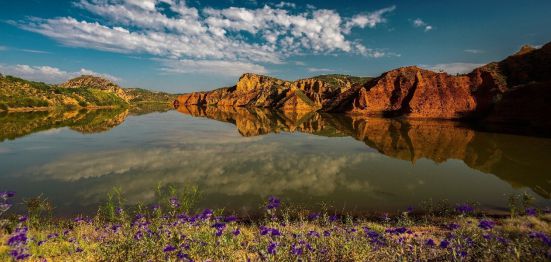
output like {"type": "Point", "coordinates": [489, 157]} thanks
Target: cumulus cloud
{"type": "Point", "coordinates": [48, 74]}
{"type": "Point", "coordinates": [418, 22]}
{"type": "Point", "coordinates": [131, 26]}
{"type": "Point", "coordinates": [453, 68]}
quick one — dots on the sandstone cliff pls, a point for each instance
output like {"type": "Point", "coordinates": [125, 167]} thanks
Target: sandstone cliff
{"type": "Point", "coordinates": [515, 90]}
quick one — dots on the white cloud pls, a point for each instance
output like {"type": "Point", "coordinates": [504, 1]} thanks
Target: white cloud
{"type": "Point", "coordinates": [34, 51]}
{"type": "Point", "coordinates": [208, 35]}
{"type": "Point", "coordinates": [474, 51]}
{"type": "Point", "coordinates": [315, 69]}
{"type": "Point", "coordinates": [418, 22]}
{"type": "Point", "coordinates": [3, 48]}
{"type": "Point", "coordinates": [48, 74]}
{"type": "Point", "coordinates": [453, 68]}
{"type": "Point", "coordinates": [286, 4]}
{"type": "Point", "coordinates": [370, 20]}
{"type": "Point", "coordinates": [227, 68]}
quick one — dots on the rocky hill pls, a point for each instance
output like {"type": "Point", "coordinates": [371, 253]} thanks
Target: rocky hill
{"type": "Point", "coordinates": [85, 91]}
{"type": "Point", "coordinates": [513, 91]}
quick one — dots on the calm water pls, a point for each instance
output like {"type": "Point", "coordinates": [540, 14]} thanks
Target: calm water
{"type": "Point", "coordinates": [238, 157]}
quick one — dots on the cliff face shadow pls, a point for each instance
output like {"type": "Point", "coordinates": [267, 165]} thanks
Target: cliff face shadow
{"type": "Point", "coordinates": [521, 161]}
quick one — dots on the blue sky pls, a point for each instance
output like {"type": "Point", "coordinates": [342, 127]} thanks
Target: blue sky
{"type": "Point", "coordinates": [182, 46]}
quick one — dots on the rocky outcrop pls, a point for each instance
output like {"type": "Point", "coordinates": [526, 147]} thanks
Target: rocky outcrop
{"type": "Point", "coordinates": [254, 90]}
{"type": "Point", "coordinates": [489, 94]}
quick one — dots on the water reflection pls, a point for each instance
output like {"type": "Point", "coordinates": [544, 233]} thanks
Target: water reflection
{"type": "Point", "coordinates": [519, 160]}
{"type": "Point", "coordinates": [306, 157]}
{"type": "Point", "coordinates": [18, 124]}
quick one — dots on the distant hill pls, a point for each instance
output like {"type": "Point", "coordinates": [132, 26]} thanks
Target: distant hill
{"type": "Point", "coordinates": [85, 91]}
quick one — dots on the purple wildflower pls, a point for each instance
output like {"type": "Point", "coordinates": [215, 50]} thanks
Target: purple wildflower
{"type": "Point", "coordinates": [7, 194]}
{"type": "Point", "coordinates": [18, 237]}
{"type": "Point", "coordinates": [397, 231]}
{"type": "Point", "coordinates": [78, 250]}
{"type": "Point", "coordinates": [430, 242]}
{"type": "Point", "coordinates": [486, 224]}
{"type": "Point", "coordinates": [313, 234]}
{"type": "Point", "coordinates": [115, 228]}
{"type": "Point", "coordinates": [452, 226]}
{"type": "Point", "coordinates": [541, 236]}
{"type": "Point", "coordinates": [464, 208]}
{"type": "Point", "coordinates": [219, 228]}
{"type": "Point", "coordinates": [326, 233]}
{"type": "Point", "coordinates": [444, 244]}
{"type": "Point", "coordinates": [264, 230]}
{"type": "Point", "coordinates": [230, 219]}
{"type": "Point", "coordinates": [273, 203]}
{"type": "Point", "coordinates": [169, 248]}
{"type": "Point", "coordinates": [531, 211]}
{"type": "Point", "coordinates": [22, 219]}
{"type": "Point", "coordinates": [185, 257]}
{"type": "Point", "coordinates": [313, 216]}
{"type": "Point", "coordinates": [19, 254]}
{"type": "Point", "coordinates": [236, 232]}
{"type": "Point", "coordinates": [206, 214]}
{"type": "Point", "coordinates": [296, 250]}
{"type": "Point", "coordinates": [272, 248]}
{"type": "Point", "coordinates": [333, 218]}
{"type": "Point", "coordinates": [275, 232]}
{"type": "Point", "coordinates": [174, 202]}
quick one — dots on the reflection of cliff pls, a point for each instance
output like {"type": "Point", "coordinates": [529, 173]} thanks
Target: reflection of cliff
{"type": "Point", "coordinates": [14, 125]}
{"type": "Point", "coordinates": [519, 160]}
{"type": "Point", "coordinates": [257, 121]}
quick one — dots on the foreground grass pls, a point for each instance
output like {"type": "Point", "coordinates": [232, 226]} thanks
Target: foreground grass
{"type": "Point", "coordinates": [168, 232]}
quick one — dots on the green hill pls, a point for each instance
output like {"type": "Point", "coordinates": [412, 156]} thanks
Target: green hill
{"type": "Point", "coordinates": [86, 91]}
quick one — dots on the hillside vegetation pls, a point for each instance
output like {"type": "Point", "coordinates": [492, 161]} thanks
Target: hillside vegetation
{"type": "Point", "coordinates": [85, 91]}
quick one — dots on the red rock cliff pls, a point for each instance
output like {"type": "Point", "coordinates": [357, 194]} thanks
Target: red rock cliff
{"type": "Point", "coordinates": [492, 93]}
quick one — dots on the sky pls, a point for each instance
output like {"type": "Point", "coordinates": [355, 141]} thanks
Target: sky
{"type": "Point", "coordinates": [183, 46]}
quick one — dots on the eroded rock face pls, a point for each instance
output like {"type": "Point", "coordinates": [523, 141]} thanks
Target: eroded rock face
{"type": "Point", "coordinates": [489, 93]}
{"type": "Point", "coordinates": [414, 92]}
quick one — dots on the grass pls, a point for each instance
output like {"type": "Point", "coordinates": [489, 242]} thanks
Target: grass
{"type": "Point", "coordinates": [172, 230]}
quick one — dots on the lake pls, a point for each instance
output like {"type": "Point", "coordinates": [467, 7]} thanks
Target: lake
{"type": "Point", "coordinates": [238, 157]}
